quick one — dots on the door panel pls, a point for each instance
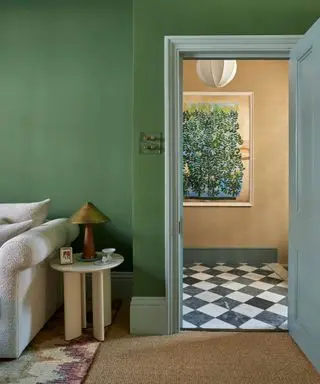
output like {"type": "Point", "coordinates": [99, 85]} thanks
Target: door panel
{"type": "Point", "coordinates": [304, 233]}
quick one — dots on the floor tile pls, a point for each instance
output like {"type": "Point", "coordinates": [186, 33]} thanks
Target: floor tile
{"type": "Point", "coordinates": [234, 296]}
{"type": "Point", "coordinates": [197, 318]}
{"type": "Point", "coordinates": [192, 290]}
{"type": "Point", "coordinates": [204, 285]}
{"type": "Point", "coordinates": [270, 296]}
{"type": "Point", "coordinates": [243, 280]}
{"type": "Point", "coordinates": [223, 268]}
{"type": "Point", "coordinates": [201, 276]}
{"type": "Point", "coordinates": [194, 303]}
{"type": "Point", "coordinates": [279, 290]}
{"type": "Point", "coordinates": [186, 310]}
{"type": "Point", "coordinates": [284, 301]}
{"type": "Point", "coordinates": [233, 265]}
{"type": "Point", "coordinates": [251, 290]}
{"type": "Point", "coordinates": [284, 325]}
{"type": "Point", "coordinates": [271, 318]}
{"type": "Point", "coordinates": [212, 310]}
{"type": "Point", "coordinates": [189, 272]}
{"type": "Point", "coordinates": [199, 268]}
{"type": "Point", "coordinates": [221, 291]}
{"type": "Point", "coordinates": [227, 276]}
{"type": "Point", "coordinates": [253, 276]}
{"type": "Point", "coordinates": [213, 272]}
{"type": "Point", "coordinates": [259, 303]}
{"type": "Point", "coordinates": [187, 325]}
{"type": "Point", "coordinates": [227, 303]}
{"type": "Point", "coordinates": [248, 310]}
{"type": "Point", "coordinates": [270, 280]}
{"type": "Point", "coordinates": [256, 324]}
{"type": "Point", "coordinates": [260, 285]}
{"type": "Point", "coordinates": [239, 296]}
{"type": "Point", "coordinates": [217, 324]}
{"type": "Point", "coordinates": [190, 280]}
{"type": "Point", "coordinates": [279, 309]}
{"type": "Point", "coordinates": [208, 296]}
{"type": "Point", "coordinates": [247, 268]}
{"type": "Point", "coordinates": [264, 272]}
{"type": "Point", "coordinates": [185, 296]}
{"type": "Point", "coordinates": [238, 272]}
{"type": "Point", "coordinates": [232, 285]}
{"type": "Point", "coordinates": [231, 317]}
{"type": "Point", "coordinates": [216, 280]}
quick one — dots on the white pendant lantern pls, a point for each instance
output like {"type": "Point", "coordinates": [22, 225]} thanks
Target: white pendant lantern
{"type": "Point", "coordinates": [216, 73]}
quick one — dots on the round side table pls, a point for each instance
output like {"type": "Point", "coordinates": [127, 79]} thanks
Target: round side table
{"type": "Point", "coordinates": [74, 286]}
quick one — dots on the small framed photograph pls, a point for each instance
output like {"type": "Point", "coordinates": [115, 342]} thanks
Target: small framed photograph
{"type": "Point", "coordinates": [66, 255]}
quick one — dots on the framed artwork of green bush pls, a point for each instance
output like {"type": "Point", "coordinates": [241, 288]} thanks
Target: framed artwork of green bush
{"type": "Point", "coordinates": [217, 149]}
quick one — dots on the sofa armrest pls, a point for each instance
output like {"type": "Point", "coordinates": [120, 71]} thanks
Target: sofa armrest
{"type": "Point", "coordinates": [35, 245]}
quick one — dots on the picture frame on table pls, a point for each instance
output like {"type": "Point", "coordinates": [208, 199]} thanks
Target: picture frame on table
{"type": "Point", "coordinates": [66, 255]}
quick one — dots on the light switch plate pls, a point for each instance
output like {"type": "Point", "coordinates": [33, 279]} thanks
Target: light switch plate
{"type": "Point", "coordinates": [150, 143]}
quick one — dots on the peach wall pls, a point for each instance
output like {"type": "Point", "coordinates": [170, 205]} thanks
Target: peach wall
{"type": "Point", "coordinates": [265, 225]}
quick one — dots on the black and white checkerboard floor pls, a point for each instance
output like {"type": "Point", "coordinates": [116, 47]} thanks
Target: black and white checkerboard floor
{"type": "Point", "coordinates": [234, 297]}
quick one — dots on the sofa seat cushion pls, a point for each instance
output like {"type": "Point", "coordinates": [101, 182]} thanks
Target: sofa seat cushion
{"type": "Point", "coordinates": [19, 212]}
{"type": "Point", "coordinates": [8, 231]}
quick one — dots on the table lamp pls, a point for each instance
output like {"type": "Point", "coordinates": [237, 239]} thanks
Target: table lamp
{"type": "Point", "coordinates": [88, 214]}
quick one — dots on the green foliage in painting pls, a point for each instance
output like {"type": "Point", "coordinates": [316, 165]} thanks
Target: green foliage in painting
{"type": "Point", "coordinates": [212, 161]}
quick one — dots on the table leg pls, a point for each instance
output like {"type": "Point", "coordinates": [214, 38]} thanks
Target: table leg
{"type": "Point", "coordinates": [98, 305]}
{"type": "Point", "coordinates": [107, 297]}
{"type": "Point", "coordinates": [72, 305]}
{"type": "Point", "coordinates": [83, 300]}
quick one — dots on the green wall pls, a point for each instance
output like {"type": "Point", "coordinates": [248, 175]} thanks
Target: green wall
{"type": "Point", "coordinates": [66, 83]}
{"type": "Point", "coordinates": [66, 106]}
{"type": "Point", "coordinates": [152, 21]}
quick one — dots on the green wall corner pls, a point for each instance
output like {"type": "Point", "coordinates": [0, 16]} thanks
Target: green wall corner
{"type": "Point", "coordinates": [66, 110]}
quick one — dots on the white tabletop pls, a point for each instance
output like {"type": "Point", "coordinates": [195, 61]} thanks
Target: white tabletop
{"type": "Point", "coordinates": [86, 266]}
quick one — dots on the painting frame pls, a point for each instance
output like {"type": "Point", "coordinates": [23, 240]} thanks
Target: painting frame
{"type": "Point", "coordinates": [230, 203]}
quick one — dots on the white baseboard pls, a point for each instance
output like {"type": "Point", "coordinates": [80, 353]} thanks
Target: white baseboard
{"type": "Point", "coordinates": [121, 285]}
{"type": "Point", "coordinates": [148, 316]}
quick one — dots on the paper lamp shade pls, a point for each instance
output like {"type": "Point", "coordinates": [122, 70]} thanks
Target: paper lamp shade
{"type": "Point", "coordinates": [88, 214]}
{"type": "Point", "coordinates": [216, 73]}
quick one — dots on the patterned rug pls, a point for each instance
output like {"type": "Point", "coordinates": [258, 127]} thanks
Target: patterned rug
{"type": "Point", "coordinates": [50, 359]}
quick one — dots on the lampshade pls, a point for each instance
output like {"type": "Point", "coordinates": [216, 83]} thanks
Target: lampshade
{"type": "Point", "coordinates": [216, 73]}
{"type": "Point", "coordinates": [88, 214]}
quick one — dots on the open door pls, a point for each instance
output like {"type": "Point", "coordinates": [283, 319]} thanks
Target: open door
{"type": "Point", "coordinates": [304, 233]}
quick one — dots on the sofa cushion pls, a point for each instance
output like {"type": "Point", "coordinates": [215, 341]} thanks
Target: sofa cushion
{"type": "Point", "coordinates": [18, 212]}
{"type": "Point", "coordinates": [8, 231]}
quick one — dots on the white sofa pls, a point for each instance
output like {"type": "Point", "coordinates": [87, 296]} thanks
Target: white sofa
{"type": "Point", "coordinates": [30, 291]}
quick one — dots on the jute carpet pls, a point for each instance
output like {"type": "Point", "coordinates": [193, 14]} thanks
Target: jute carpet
{"type": "Point", "coordinates": [198, 357]}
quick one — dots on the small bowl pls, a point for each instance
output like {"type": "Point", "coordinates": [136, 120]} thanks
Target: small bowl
{"type": "Point", "coordinates": [108, 251]}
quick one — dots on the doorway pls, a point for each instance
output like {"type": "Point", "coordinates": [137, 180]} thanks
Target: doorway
{"type": "Point", "coordinates": [304, 188]}
{"type": "Point", "coordinates": [235, 190]}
